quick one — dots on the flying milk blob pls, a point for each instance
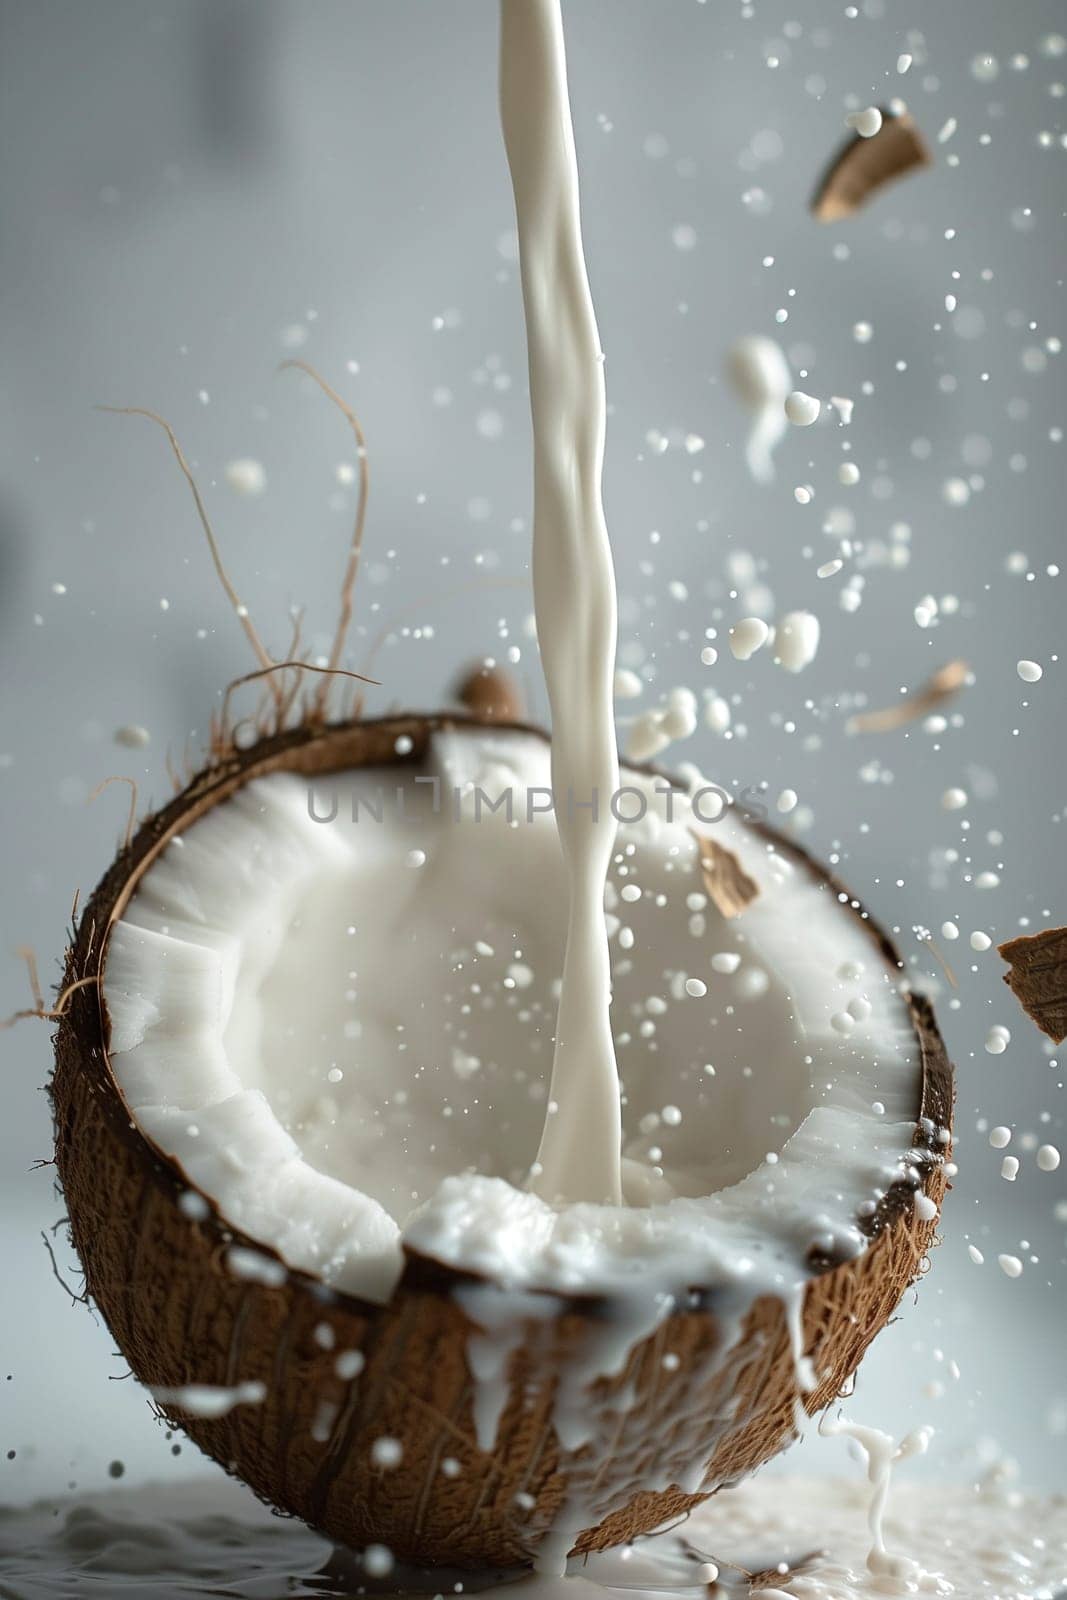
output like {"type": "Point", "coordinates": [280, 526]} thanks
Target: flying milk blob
{"type": "Point", "coordinates": [518, 1139]}
{"type": "Point", "coordinates": [760, 376]}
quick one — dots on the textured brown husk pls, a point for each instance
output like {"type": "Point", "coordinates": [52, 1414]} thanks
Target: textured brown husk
{"type": "Point", "coordinates": [863, 166]}
{"type": "Point", "coordinates": [1038, 978]}
{"type": "Point", "coordinates": [180, 1315]}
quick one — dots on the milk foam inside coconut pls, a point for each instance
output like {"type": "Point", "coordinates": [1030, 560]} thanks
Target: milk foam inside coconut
{"type": "Point", "coordinates": [342, 1030]}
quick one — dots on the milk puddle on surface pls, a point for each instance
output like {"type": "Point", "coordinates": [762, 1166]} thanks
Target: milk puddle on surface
{"type": "Point", "coordinates": [211, 1538]}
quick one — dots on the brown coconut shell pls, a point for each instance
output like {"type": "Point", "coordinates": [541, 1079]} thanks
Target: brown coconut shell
{"type": "Point", "coordinates": [490, 694]}
{"type": "Point", "coordinates": [180, 1316]}
{"type": "Point", "coordinates": [862, 167]}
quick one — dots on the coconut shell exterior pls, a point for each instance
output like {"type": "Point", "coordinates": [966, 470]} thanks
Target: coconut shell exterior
{"type": "Point", "coordinates": [181, 1316]}
{"type": "Point", "coordinates": [863, 166]}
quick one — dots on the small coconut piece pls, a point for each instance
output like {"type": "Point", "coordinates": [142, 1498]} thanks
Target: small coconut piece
{"type": "Point", "coordinates": [728, 885]}
{"type": "Point", "coordinates": [1038, 978]}
{"type": "Point", "coordinates": [863, 166]}
{"type": "Point", "coordinates": [490, 694]}
{"type": "Point", "coordinates": [939, 687]}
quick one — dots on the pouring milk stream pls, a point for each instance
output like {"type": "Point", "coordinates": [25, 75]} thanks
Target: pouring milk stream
{"type": "Point", "coordinates": [574, 588]}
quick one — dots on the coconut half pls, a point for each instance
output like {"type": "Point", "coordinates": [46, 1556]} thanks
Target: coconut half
{"type": "Point", "coordinates": [297, 1101]}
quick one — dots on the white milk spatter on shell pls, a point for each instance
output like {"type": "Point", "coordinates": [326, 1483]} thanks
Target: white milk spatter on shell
{"type": "Point", "coordinates": [574, 585]}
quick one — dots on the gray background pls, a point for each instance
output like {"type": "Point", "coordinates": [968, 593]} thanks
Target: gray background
{"type": "Point", "coordinates": [191, 191]}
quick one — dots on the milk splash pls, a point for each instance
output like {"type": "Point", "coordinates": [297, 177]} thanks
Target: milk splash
{"type": "Point", "coordinates": [209, 1537]}
{"type": "Point", "coordinates": [574, 588]}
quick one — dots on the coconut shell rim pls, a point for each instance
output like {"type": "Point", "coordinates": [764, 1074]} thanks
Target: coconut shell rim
{"type": "Point", "coordinates": [86, 1015]}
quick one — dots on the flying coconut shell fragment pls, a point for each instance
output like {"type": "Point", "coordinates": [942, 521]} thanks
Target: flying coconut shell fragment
{"type": "Point", "coordinates": [942, 686]}
{"type": "Point", "coordinates": [865, 165]}
{"type": "Point", "coordinates": [490, 694]}
{"type": "Point", "coordinates": [728, 885]}
{"type": "Point", "coordinates": [1038, 978]}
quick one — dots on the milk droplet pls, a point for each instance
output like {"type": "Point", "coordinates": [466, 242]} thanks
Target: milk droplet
{"type": "Point", "coordinates": [253, 1267]}
{"type": "Point", "coordinates": [796, 640]}
{"type": "Point", "coordinates": [246, 476]}
{"type": "Point", "coordinates": [747, 636]}
{"type": "Point", "coordinates": [976, 1255]}
{"type": "Point", "coordinates": [995, 1042]}
{"type": "Point", "coordinates": [1009, 1168]}
{"type": "Point", "coordinates": [865, 123]}
{"type": "Point", "coordinates": [848, 473]}
{"type": "Point", "coordinates": [416, 858]}
{"type": "Point", "coordinates": [949, 930]}
{"type": "Point", "coordinates": [980, 941]}
{"type": "Point", "coordinates": [1011, 1266]}
{"type": "Point", "coordinates": [999, 1137]}
{"type": "Point", "coordinates": [647, 737]}
{"type": "Point", "coordinates": [627, 684]}
{"type": "Point", "coordinates": [209, 1400]}
{"type": "Point", "coordinates": [925, 1208]}
{"type": "Point", "coordinates": [802, 409]}
{"type": "Point", "coordinates": [680, 716]}
{"type": "Point", "coordinates": [726, 961]}
{"type": "Point", "coordinates": [717, 714]}
{"type": "Point", "coordinates": [1048, 1158]}
{"type": "Point", "coordinates": [695, 988]}
{"type": "Point", "coordinates": [377, 1560]}
{"type": "Point", "coordinates": [132, 736]}
{"type": "Point", "coordinates": [709, 655]}
{"type": "Point", "coordinates": [954, 799]}
{"type": "Point", "coordinates": [1029, 671]}
{"type": "Point", "coordinates": [787, 801]}
{"type": "Point", "coordinates": [387, 1452]}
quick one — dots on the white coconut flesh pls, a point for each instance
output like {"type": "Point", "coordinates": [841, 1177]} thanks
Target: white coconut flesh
{"type": "Point", "coordinates": [342, 1032]}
